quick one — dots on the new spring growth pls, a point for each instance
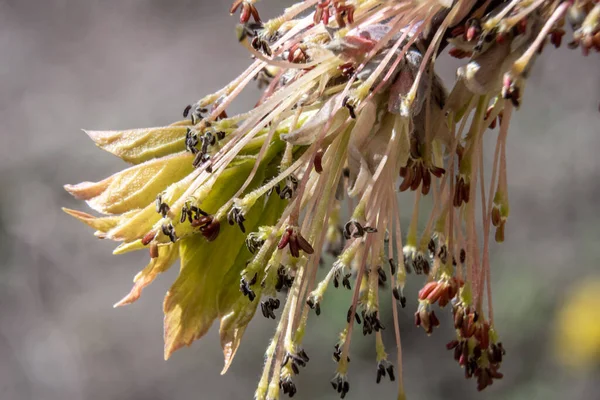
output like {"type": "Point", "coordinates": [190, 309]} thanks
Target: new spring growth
{"type": "Point", "coordinates": [351, 113]}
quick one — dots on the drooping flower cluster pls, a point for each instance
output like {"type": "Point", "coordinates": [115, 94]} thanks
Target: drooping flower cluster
{"type": "Point", "coordinates": [352, 112]}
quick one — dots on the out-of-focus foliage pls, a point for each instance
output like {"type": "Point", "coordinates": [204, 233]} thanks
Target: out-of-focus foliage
{"type": "Point", "coordinates": [578, 326]}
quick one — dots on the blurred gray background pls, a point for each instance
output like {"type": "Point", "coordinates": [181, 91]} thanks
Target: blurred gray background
{"type": "Point", "coordinates": [67, 65]}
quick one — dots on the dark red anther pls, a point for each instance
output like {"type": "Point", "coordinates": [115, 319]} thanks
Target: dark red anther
{"type": "Point", "coordinates": [285, 238]}
{"type": "Point", "coordinates": [556, 37]}
{"type": "Point", "coordinates": [458, 350]}
{"type": "Point", "coordinates": [326, 16]}
{"type": "Point", "coordinates": [417, 319]}
{"type": "Point", "coordinates": [339, 18]}
{"type": "Point", "coordinates": [211, 230]}
{"type": "Point", "coordinates": [350, 15]}
{"type": "Point", "coordinates": [458, 53]}
{"type": "Point", "coordinates": [245, 14]}
{"type": "Point", "coordinates": [202, 221]}
{"type": "Point", "coordinates": [254, 12]}
{"type": "Point", "coordinates": [294, 247]}
{"type": "Point", "coordinates": [437, 171]}
{"type": "Point", "coordinates": [248, 10]}
{"type": "Point", "coordinates": [445, 298]}
{"type": "Point", "coordinates": [236, 4]}
{"type": "Point", "coordinates": [464, 357]}
{"type": "Point", "coordinates": [484, 337]}
{"type": "Point", "coordinates": [427, 289]}
{"type": "Point", "coordinates": [319, 161]}
{"type": "Point", "coordinates": [451, 344]}
{"type": "Point", "coordinates": [148, 238]}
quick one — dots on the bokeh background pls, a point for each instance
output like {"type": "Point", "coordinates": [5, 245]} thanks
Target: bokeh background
{"type": "Point", "coordinates": [67, 65]}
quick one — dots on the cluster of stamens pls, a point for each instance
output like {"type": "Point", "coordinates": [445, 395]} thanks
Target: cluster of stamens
{"type": "Point", "coordinates": [350, 102]}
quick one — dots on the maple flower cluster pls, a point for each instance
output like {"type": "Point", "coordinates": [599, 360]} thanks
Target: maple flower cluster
{"type": "Point", "coordinates": [351, 113]}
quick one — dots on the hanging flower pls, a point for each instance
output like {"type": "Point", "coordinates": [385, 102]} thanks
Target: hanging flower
{"type": "Point", "coordinates": [352, 112]}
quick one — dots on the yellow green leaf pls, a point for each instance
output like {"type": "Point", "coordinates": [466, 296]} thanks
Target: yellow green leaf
{"type": "Point", "coordinates": [134, 187]}
{"type": "Point", "coordinates": [101, 224]}
{"type": "Point", "coordinates": [191, 304]}
{"type": "Point", "coordinates": [127, 247]}
{"type": "Point", "coordinates": [184, 122]}
{"type": "Point", "coordinates": [167, 255]}
{"type": "Point", "coordinates": [136, 226]}
{"type": "Point", "coordinates": [138, 145]}
{"type": "Point", "coordinates": [235, 310]}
